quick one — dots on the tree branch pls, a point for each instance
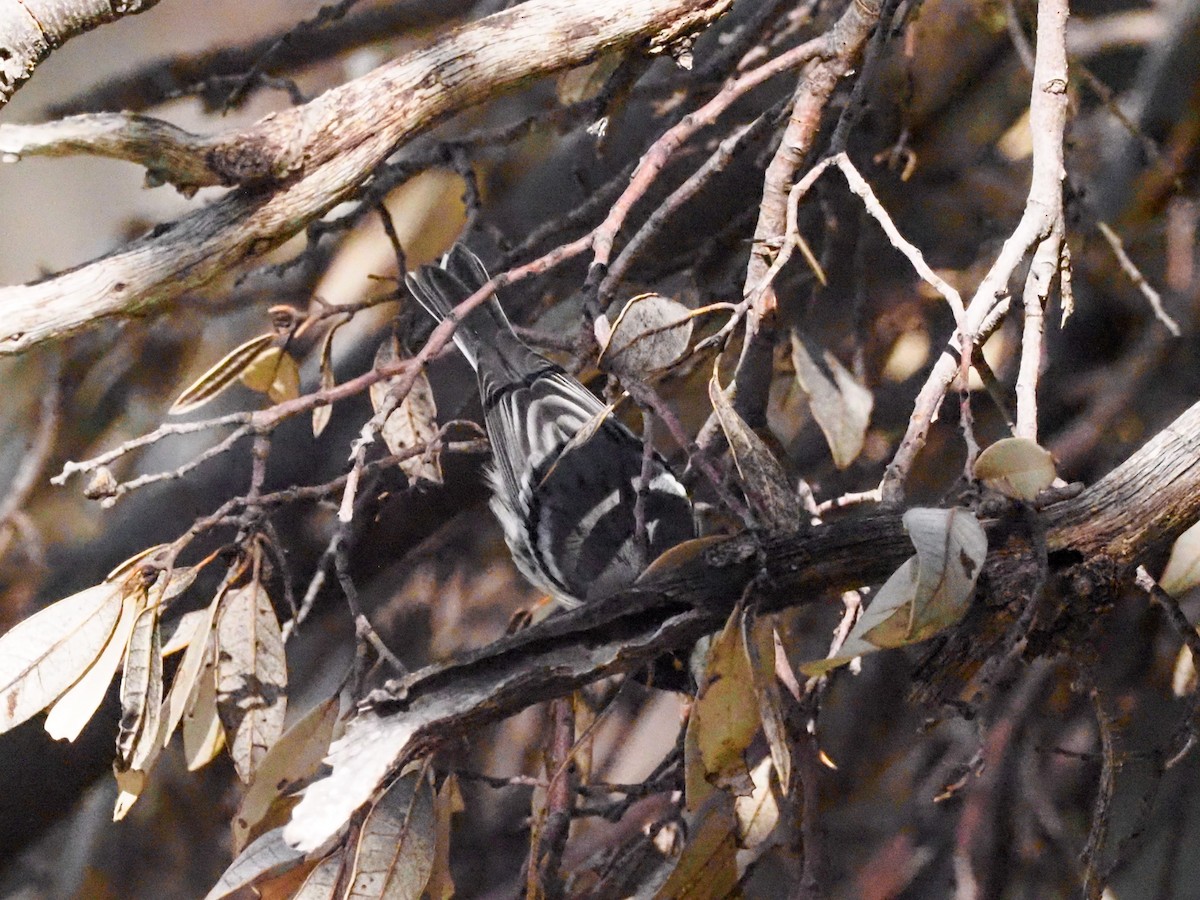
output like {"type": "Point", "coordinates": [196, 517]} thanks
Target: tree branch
{"type": "Point", "coordinates": [298, 164]}
{"type": "Point", "coordinates": [32, 29]}
{"type": "Point", "coordinates": [1144, 503]}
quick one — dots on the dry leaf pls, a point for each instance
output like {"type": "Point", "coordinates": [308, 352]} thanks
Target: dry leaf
{"type": "Point", "coordinates": [141, 692]}
{"type": "Point", "coordinates": [1016, 467]}
{"type": "Point", "coordinates": [725, 714]}
{"type": "Point", "coordinates": [841, 406]}
{"type": "Point", "coordinates": [203, 735]}
{"type": "Point", "coordinates": [179, 634]}
{"type": "Point", "coordinates": [251, 676]}
{"type": "Point", "coordinates": [74, 709]}
{"type": "Point", "coordinates": [322, 414]}
{"type": "Point", "coordinates": [266, 857]}
{"type": "Point", "coordinates": [322, 881]}
{"type": "Point", "coordinates": [396, 844]}
{"type": "Point", "coordinates": [929, 592]}
{"type": "Point", "coordinates": [774, 501]}
{"type": "Point", "coordinates": [758, 812]}
{"type": "Point", "coordinates": [586, 81]}
{"type": "Point", "coordinates": [183, 691]}
{"type": "Point", "coordinates": [707, 867]}
{"type": "Point", "coordinates": [758, 641]}
{"type": "Point", "coordinates": [413, 423]}
{"type": "Point", "coordinates": [1183, 679]}
{"type": "Point", "coordinates": [292, 759]}
{"type": "Point", "coordinates": [651, 333]}
{"type": "Point", "coordinates": [41, 657]}
{"type": "Point", "coordinates": [220, 376]}
{"type": "Point", "coordinates": [1183, 568]}
{"type": "Point", "coordinates": [448, 801]}
{"type": "Point", "coordinates": [273, 372]}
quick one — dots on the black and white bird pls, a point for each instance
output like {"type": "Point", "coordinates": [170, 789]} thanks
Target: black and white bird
{"type": "Point", "coordinates": [567, 505]}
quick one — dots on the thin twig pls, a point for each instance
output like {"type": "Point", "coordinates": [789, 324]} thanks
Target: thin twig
{"type": "Point", "coordinates": [1139, 280]}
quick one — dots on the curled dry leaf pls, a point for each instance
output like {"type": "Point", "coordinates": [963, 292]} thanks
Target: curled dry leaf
{"type": "Point", "coordinates": [251, 675]}
{"type": "Point", "coordinates": [841, 406]}
{"type": "Point", "coordinates": [214, 382]}
{"type": "Point", "coordinates": [1016, 467]}
{"type": "Point", "coordinates": [413, 423]}
{"type": "Point", "coordinates": [1183, 568]}
{"type": "Point", "coordinates": [395, 851]}
{"type": "Point", "coordinates": [41, 657]}
{"type": "Point", "coordinates": [141, 692]}
{"type": "Point", "coordinates": [651, 333]}
{"type": "Point", "coordinates": [322, 414]}
{"type": "Point", "coordinates": [774, 501]}
{"type": "Point", "coordinates": [929, 592]}
{"type": "Point", "coordinates": [266, 857]}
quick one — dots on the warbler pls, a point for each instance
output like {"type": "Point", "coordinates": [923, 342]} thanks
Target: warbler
{"type": "Point", "coordinates": [565, 473]}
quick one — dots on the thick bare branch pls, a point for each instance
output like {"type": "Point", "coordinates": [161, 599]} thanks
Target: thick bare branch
{"type": "Point", "coordinates": [32, 29]}
{"type": "Point", "coordinates": [314, 156]}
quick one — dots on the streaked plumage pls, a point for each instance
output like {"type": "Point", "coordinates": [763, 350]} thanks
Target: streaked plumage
{"type": "Point", "coordinates": [568, 517]}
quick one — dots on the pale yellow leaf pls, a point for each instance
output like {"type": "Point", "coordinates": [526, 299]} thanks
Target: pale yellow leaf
{"type": "Point", "coordinates": [413, 423]}
{"type": "Point", "coordinates": [1016, 467]}
{"type": "Point", "coordinates": [322, 414]}
{"type": "Point", "coordinates": [726, 709]}
{"type": "Point", "coordinates": [251, 676]}
{"type": "Point", "coordinates": [286, 384]}
{"type": "Point", "coordinates": [396, 845]}
{"type": "Point", "coordinates": [707, 867]}
{"type": "Point", "coordinates": [1183, 568]}
{"type": "Point", "coordinates": [183, 686]}
{"type": "Point", "coordinates": [74, 709]}
{"type": "Point", "coordinates": [41, 657]}
{"type": "Point", "coordinates": [130, 784]}
{"type": "Point", "coordinates": [203, 736]}
{"type": "Point", "coordinates": [1183, 679]}
{"type": "Point", "coordinates": [221, 375]}
{"type": "Point", "coordinates": [840, 405]}
{"type": "Point", "coordinates": [758, 812]}
{"type": "Point", "coordinates": [179, 634]}
{"type": "Point", "coordinates": [138, 736]}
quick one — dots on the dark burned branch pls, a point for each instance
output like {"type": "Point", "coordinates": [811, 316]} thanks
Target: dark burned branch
{"type": "Point", "coordinates": [1138, 507]}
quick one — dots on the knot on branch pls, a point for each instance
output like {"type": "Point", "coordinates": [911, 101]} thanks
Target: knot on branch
{"type": "Point", "coordinates": [250, 159]}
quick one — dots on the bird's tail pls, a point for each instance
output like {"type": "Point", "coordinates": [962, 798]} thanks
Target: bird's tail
{"type": "Point", "coordinates": [439, 288]}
